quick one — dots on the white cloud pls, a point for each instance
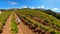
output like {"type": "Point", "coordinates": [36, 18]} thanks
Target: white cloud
{"type": "Point", "coordinates": [42, 6]}
{"type": "Point", "coordinates": [32, 7]}
{"type": "Point", "coordinates": [12, 3]}
{"type": "Point", "coordinates": [56, 9]}
{"type": "Point", "coordinates": [24, 7]}
{"type": "Point", "coordinates": [38, 7]}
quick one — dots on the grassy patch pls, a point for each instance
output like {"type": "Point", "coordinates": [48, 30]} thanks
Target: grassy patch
{"type": "Point", "coordinates": [14, 27]}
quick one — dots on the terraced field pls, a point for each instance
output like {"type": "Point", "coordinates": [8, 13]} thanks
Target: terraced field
{"type": "Point", "coordinates": [31, 22]}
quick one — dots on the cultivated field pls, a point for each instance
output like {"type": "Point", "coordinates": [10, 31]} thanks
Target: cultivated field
{"type": "Point", "coordinates": [32, 22]}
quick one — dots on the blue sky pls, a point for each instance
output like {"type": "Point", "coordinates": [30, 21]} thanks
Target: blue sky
{"type": "Point", "coordinates": [46, 4]}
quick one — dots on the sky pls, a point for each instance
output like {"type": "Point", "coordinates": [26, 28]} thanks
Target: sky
{"type": "Point", "coordinates": [45, 4]}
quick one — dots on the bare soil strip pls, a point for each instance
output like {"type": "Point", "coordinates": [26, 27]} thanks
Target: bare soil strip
{"type": "Point", "coordinates": [23, 28]}
{"type": "Point", "coordinates": [6, 28]}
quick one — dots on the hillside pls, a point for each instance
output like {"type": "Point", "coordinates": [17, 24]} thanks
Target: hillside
{"type": "Point", "coordinates": [32, 21]}
{"type": "Point", "coordinates": [50, 12]}
{"type": "Point", "coordinates": [48, 21]}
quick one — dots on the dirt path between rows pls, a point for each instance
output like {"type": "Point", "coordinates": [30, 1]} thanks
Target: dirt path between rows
{"type": "Point", "coordinates": [23, 28]}
{"type": "Point", "coordinates": [6, 28]}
